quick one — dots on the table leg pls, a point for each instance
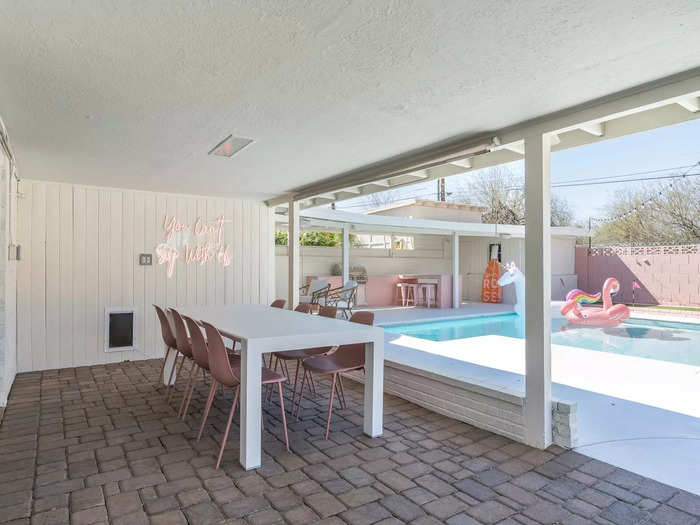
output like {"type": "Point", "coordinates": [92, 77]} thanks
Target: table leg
{"type": "Point", "coordinates": [374, 388]}
{"type": "Point", "coordinates": [251, 438]}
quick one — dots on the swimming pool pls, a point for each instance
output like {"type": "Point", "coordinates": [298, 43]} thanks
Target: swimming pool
{"type": "Point", "coordinates": [660, 340]}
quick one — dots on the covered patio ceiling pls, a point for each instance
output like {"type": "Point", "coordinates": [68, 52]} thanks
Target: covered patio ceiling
{"type": "Point", "coordinates": [135, 96]}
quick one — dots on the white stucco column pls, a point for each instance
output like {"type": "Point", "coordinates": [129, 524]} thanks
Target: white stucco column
{"type": "Point", "coordinates": [456, 289]}
{"type": "Point", "coordinates": [293, 250]}
{"type": "Point", "coordinates": [538, 269]}
{"type": "Point", "coordinates": [346, 253]}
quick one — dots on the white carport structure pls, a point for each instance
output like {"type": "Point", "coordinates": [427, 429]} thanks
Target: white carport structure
{"type": "Point", "coordinates": [645, 107]}
{"type": "Point", "coordinates": [329, 220]}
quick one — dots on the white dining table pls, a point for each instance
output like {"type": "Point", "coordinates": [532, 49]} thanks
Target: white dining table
{"type": "Point", "coordinates": [262, 329]}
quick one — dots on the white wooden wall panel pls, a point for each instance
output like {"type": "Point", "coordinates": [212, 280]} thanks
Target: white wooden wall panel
{"type": "Point", "coordinates": [80, 249]}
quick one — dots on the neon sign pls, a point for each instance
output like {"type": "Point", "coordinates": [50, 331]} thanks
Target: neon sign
{"type": "Point", "coordinates": [202, 242]}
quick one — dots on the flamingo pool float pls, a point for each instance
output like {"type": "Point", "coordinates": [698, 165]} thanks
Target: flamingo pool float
{"type": "Point", "coordinates": [610, 315]}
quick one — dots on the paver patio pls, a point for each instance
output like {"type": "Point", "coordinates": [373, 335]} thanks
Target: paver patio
{"type": "Point", "coordinates": [98, 444]}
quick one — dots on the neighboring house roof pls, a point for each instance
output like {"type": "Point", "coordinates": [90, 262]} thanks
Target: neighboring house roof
{"type": "Point", "coordinates": [427, 203]}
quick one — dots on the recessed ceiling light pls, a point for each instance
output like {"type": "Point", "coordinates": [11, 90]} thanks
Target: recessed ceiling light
{"type": "Point", "coordinates": [230, 146]}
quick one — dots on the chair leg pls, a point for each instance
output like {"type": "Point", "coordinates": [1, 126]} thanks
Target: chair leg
{"type": "Point", "coordinates": [179, 371]}
{"type": "Point", "coordinates": [341, 392]}
{"type": "Point", "coordinates": [301, 395]}
{"type": "Point", "coordinates": [189, 396]}
{"type": "Point", "coordinates": [312, 384]}
{"type": "Point", "coordinates": [170, 378]}
{"type": "Point", "coordinates": [228, 427]}
{"type": "Point", "coordinates": [330, 405]}
{"type": "Point", "coordinates": [284, 417]}
{"type": "Point", "coordinates": [165, 360]}
{"type": "Point", "coordinates": [191, 379]}
{"type": "Point", "coordinates": [294, 389]}
{"type": "Point", "coordinates": [207, 407]}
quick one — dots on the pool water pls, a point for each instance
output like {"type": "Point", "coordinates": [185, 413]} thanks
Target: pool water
{"type": "Point", "coordinates": [660, 340]}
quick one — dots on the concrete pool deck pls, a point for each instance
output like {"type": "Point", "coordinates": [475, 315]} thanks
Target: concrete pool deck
{"type": "Point", "coordinates": [639, 414]}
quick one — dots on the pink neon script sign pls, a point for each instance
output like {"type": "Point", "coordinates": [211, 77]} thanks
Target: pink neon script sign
{"type": "Point", "coordinates": [207, 246]}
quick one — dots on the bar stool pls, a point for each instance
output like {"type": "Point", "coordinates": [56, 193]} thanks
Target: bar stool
{"type": "Point", "coordinates": [408, 292]}
{"type": "Point", "coordinates": [428, 291]}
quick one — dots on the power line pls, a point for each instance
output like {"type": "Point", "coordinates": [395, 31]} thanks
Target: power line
{"type": "Point", "coordinates": [569, 184]}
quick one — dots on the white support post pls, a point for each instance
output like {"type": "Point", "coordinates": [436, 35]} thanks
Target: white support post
{"type": "Point", "coordinates": [293, 251]}
{"type": "Point", "coordinates": [456, 288]}
{"type": "Point", "coordinates": [538, 269]}
{"type": "Point", "coordinates": [346, 253]}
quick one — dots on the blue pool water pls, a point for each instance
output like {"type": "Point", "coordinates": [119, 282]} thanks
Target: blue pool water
{"type": "Point", "coordinates": [661, 340]}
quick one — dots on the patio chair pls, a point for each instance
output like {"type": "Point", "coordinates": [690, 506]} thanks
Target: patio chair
{"type": "Point", "coordinates": [230, 377]}
{"type": "Point", "coordinates": [166, 331]}
{"type": "Point", "coordinates": [343, 298]}
{"type": "Point", "coordinates": [184, 347]}
{"type": "Point", "coordinates": [346, 358]}
{"type": "Point", "coordinates": [314, 292]}
{"type": "Point", "coordinates": [201, 359]}
{"type": "Point", "coordinates": [281, 358]}
{"type": "Point", "coordinates": [278, 303]}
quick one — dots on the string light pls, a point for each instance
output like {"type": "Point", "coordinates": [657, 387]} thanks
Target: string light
{"type": "Point", "coordinates": [642, 205]}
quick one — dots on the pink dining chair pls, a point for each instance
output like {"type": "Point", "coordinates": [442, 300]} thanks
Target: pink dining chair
{"type": "Point", "coordinates": [184, 347]}
{"type": "Point", "coordinates": [166, 331]}
{"type": "Point", "coordinates": [346, 358]}
{"type": "Point", "coordinates": [300, 355]}
{"type": "Point", "coordinates": [230, 377]}
{"type": "Point", "coordinates": [201, 359]}
{"type": "Point", "coordinates": [278, 303]}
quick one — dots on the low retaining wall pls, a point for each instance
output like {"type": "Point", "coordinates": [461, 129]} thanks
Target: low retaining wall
{"type": "Point", "coordinates": [495, 410]}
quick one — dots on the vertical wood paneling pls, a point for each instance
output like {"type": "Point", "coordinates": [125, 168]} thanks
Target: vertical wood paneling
{"type": "Point", "coordinates": [24, 273]}
{"type": "Point", "coordinates": [52, 277]}
{"type": "Point", "coordinates": [93, 316]}
{"type": "Point", "coordinates": [80, 256]}
{"type": "Point", "coordinates": [79, 234]}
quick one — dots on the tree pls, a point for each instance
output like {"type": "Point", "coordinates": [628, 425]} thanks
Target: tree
{"type": "Point", "coordinates": [311, 239]}
{"type": "Point", "coordinates": [502, 192]}
{"type": "Point", "coordinates": [653, 214]}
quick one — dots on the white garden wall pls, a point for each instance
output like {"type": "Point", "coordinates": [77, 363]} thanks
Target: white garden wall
{"type": "Point", "coordinates": [80, 248]}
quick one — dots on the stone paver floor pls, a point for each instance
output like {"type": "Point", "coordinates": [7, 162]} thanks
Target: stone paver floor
{"type": "Point", "coordinates": [99, 444]}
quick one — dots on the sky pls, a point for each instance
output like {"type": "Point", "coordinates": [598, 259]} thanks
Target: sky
{"type": "Point", "coordinates": [658, 149]}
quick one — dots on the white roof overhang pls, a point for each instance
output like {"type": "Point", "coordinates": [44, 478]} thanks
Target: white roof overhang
{"type": "Point", "coordinates": [326, 219]}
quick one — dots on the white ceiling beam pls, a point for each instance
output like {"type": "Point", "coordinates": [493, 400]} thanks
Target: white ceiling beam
{"type": "Point", "coordinates": [594, 128]}
{"type": "Point", "coordinates": [462, 163]}
{"type": "Point", "coordinates": [384, 183]}
{"type": "Point", "coordinates": [516, 147]}
{"type": "Point", "coordinates": [692, 104]}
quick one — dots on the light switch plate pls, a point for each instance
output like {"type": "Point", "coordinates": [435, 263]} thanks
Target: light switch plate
{"type": "Point", "coordinates": [145, 259]}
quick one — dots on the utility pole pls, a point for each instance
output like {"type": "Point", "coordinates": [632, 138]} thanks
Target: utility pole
{"type": "Point", "coordinates": [441, 194]}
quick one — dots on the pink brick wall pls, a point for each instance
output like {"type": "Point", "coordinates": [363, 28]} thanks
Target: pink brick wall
{"type": "Point", "coordinates": [667, 274]}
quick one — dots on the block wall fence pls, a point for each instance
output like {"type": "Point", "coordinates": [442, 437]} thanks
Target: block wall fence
{"type": "Point", "coordinates": [668, 275]}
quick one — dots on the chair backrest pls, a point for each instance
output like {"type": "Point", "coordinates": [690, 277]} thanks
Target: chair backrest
{"type": "Point", "coordinates": [328, 311]}
{"type": "Point", "coordinates": [304, 308]}
{"type": "Point", "coordinates": [356, 353]}
{"type": "Point", "coordinates": [278, 303]}
{"type": "Point", "coordinates": [316, 285]}
{"type": "Point", "coordinates": [219, 364]}
{"type": "Point", "coordinates": [199, 344]}
{"type": "Point", "coordinates": [348, 290]}
{"type": "Point", "coordinates": [166, 328]}
{"type": "Point", "coordinates": [181, 337]}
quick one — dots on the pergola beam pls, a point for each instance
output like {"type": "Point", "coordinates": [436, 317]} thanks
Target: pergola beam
{"type": "Point", "coordinates": [596, 129]}
{"type": "Point", "coordinates": [692, 104]}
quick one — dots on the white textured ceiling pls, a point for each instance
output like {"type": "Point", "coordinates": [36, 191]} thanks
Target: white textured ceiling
{"type": "Point", "coordinates": [135, 93]}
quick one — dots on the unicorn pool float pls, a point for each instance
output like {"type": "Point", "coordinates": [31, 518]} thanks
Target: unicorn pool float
{"type": "Point", "coordinates": [609, 315]}
{"type": "Point", "coordinates": [512, 275]}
